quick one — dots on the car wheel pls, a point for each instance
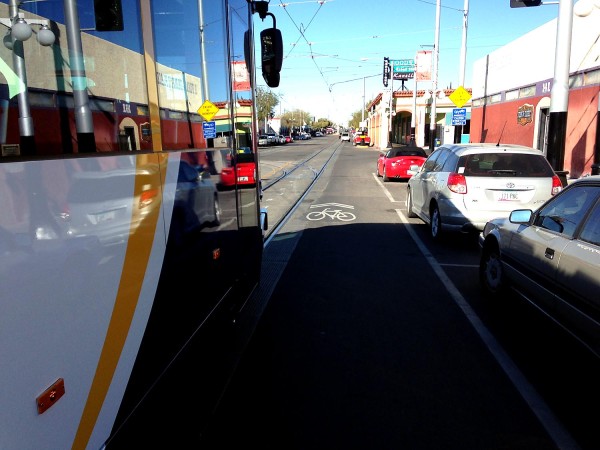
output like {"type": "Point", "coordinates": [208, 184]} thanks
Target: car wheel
{"type": "Point", "coordinates": [216, 211]}
{"type": "Point", "coordinates": [385, 177]}
{"type": "Point", "coordinates": [491, 274]}
{"type": "Point", "coordinates": [409, 205]}
{"type": "Point", "coordinates": [435, 224]}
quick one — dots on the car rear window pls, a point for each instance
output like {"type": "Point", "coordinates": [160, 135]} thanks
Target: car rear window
{"type": "Point", "coordinates": [408, 152]}
{"type": "Point", "coordinates": [505, 165]}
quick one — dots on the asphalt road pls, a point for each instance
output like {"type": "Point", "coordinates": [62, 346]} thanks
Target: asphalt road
{"type": "Point", "coordinates": [371, 337]}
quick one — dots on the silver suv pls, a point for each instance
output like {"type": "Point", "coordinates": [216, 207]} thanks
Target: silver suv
{"type": "Point", "coordinates": [462, 186]}
{"type": "Point", "coordinates": [551, 257]}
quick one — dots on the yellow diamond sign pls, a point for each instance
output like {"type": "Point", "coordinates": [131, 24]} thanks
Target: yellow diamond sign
{"type": "Point", "coordinates": [460, 96]}
{"type": "Point", "coordinates": [208, 110]}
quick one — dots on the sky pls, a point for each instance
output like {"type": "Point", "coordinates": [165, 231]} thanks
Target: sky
{"type": "Point", "coordinates": [334, 49]}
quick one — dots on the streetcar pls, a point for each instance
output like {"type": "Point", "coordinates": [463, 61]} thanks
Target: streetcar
{"type": "Point", "coordinates": [118, 250]}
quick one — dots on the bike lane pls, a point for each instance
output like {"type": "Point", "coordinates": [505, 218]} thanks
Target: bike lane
{"type": "Point", "coordinates": [361, 345]}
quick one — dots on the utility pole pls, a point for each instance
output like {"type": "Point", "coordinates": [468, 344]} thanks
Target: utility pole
{"type": "Point", "coordinates": [559, 95]}
{"type": "Point", "coordinates": [463, 50]}
{"type": "Point", "coordinates": [364, 100]}
{"type": "Point", "coordinates": [436, 47]}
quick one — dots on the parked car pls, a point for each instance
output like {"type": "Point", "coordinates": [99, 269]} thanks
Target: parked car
{"type": "Point", "coordinates": [240, 169]}
{"type": "Point", "coordinates": [462, 186]}
{"type": "Point", "coordinates": [101, 203]}
{"type": "Point", "coordinates": [288, 139]}
{"type": "Point", "coordinates": [361, 138]}
{"type": "Point", "coordinates": [551, 257]}
{"type": "Point", "coordinates": [345, 136]}
{"type": "Point", "coordinates": [263, 140]}
{"type": "Point", "coordinates": [396, 162]}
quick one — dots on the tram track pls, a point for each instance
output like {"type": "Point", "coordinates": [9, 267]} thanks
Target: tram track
{"type": "Point", "coordinates": [283, 194]}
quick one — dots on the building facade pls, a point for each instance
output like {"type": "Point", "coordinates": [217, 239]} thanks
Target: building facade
{"type": "Point", "coordinates": [511, 99]}
{"type": "Point", "coordinates": [512, 90]}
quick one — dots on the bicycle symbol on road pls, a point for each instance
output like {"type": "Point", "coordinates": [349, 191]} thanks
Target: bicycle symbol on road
{"type": "Point", "coordinates": [332, 213]}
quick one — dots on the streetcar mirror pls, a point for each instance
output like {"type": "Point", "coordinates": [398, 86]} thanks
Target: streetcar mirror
{"type": "Point", "coordinates": [271, 55]}
{"type": "Point", "coordinates": [247, 49]}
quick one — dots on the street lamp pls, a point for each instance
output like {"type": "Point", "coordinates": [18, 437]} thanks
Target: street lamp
{"type": "Point", "coordinates": [19, 30]}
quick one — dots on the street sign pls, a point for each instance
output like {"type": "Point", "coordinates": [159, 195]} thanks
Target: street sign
{"type": "Point", "coordinates": [460, 96]}
{"type": "Point", "coordinates": [386, 70]}
{"type": "Point", "coordinates": [403, 76]}
{"type": "Point", "coordinates": [208, 110]}
{"type": "Point", "coordinates": [403, 65]}
{"type": "Point", "coordinates": [209, 129]}
{"type": "Point", "coordinates": [459, 116]}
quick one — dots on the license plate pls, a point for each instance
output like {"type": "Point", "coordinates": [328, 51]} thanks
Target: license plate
{"type": "Point", "coordinates": [242, 178]}
{"type": "Point", "coordinates": [508, 197]}
{"type": "Point", "coordinates": [104, 217]}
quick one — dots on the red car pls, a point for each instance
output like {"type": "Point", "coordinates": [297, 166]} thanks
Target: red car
{"type": "Point", "coordinates": [396, 161]}
{"type": "Point", "coordinates": [362, 138]}
{"type": "Point", "coordinates": [243, 170]}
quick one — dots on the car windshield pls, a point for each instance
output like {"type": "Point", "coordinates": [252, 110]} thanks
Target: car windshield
{"type": "Point", "coordinates": [504, 164]}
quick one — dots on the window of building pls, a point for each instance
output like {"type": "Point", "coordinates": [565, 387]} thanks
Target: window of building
{"type": "Point", "coordinates": [512, 95]}
{"type": "Point", "coordinates": [592, 77]}
{"type": "Point", "coordinates": [528, 91]}
{"type": "Point", "coordinates": [576, 80]}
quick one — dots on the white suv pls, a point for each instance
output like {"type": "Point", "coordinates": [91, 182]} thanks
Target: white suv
{"type": "Point", "coordinates": [462, 186]}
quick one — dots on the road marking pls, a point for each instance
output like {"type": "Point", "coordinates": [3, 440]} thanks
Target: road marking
{"type": "Point", "coordinates": [341, 205]}
{"type": "Point", "coordinates": [385, 191]}
{"type": "Point", "coordinates": [538, 406]}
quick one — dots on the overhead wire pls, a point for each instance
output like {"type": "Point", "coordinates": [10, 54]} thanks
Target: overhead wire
{"type": "Point", "coordinates": [302, 29]}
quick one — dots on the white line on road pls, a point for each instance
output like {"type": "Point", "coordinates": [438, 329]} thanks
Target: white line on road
{"type": "Point", "coordinates": [385, 191]}
{"type": "Point", "coordinates": [552, 425]}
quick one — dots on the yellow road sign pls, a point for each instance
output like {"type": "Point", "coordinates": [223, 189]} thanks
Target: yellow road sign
{"type": "Point", "coordinates": [208, 110]}
{"type": "Point", "coordinates": [460, 96]}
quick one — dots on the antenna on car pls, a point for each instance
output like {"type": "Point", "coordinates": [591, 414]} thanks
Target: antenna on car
{"type": "Point", "coordinates": [501, 133]}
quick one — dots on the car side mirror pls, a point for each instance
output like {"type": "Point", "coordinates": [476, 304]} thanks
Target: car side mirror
{"type": "Point", "coordinates": [271, 55]}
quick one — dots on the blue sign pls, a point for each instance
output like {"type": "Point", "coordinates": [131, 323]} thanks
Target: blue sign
{"type": "Point", "coordinates": [459, 116]}
{"type": "Point", "coordinates": [209, 129]}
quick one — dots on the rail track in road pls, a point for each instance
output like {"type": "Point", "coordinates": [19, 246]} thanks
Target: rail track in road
{"type": "Point", "coordinates": [293, 180]}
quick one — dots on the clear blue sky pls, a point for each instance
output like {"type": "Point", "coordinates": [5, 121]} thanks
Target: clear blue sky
{"type": "Point", "coordinates": [334, 49]}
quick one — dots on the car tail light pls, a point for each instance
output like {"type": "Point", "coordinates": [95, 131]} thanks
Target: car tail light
{"type": "Point", "coordinates": [147, 197]}
{"type": "Point", "coordinates": [556, 185]}
{"type": "Point", "coordinates": [457, 183]}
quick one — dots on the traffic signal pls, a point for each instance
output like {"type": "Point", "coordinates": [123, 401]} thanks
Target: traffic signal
{"type": "Point", "coordinates": [522, 3]}
{"type": "Point", "coordinates": [109, 15]}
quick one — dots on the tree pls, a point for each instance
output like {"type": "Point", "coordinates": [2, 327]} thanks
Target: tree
{"type": "Point", "coordinates": [294, 120]}
{"type": "Point", "coordinates": [356, 119]}
{"type": "Point", "coordinates": [322, 123]}
{"type": "Point", "coordinates": [266, 101]}
{"type": "Point", "coordinates": [357, 116]}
